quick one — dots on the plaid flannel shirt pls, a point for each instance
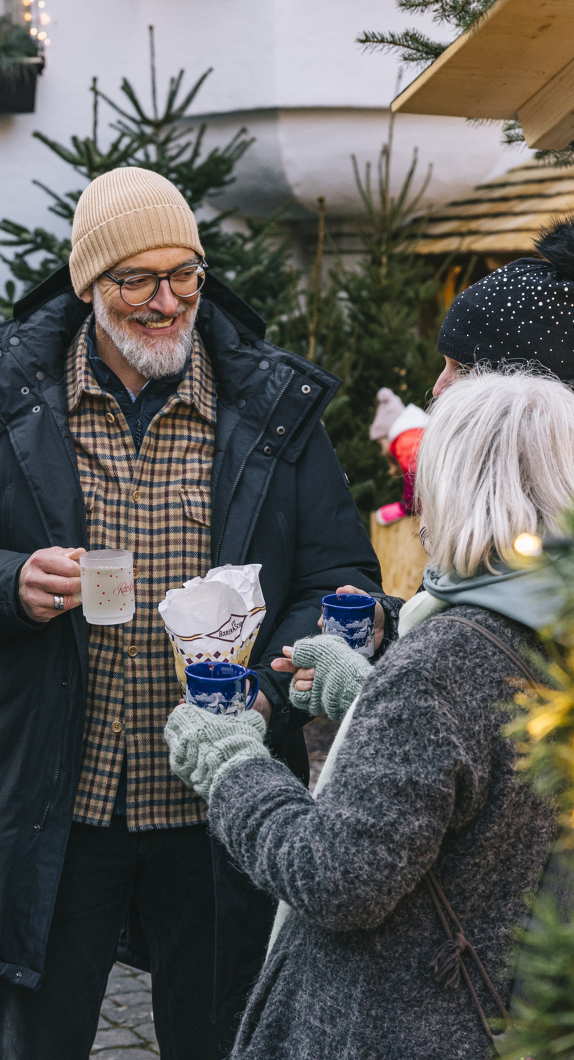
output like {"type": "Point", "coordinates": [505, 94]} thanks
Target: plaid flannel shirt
{"type": "Point", "coordinates": [157, 504]}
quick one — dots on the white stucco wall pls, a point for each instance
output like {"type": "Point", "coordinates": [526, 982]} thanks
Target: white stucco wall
{"type": "Point", "coordinates": [289, 69]}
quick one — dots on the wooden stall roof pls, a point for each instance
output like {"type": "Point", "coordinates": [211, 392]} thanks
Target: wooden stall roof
{"type": "Point", "coordinates": [518, 62]}
{"type": "Point", "coordinates": [503, 216]}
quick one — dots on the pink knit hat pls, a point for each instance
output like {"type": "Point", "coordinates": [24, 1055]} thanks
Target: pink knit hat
{"type": "Point", "coordinates": [389, 409]}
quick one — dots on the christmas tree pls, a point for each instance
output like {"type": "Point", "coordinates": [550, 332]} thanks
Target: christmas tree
{"type": "Point", "coordinates": [251, 261]}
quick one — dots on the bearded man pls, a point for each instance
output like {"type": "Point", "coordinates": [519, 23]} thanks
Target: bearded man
{"type": "Point", "coordinates": [162, 422]}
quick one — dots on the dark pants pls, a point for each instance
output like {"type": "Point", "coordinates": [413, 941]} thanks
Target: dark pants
{"type": "Point", "coordinates": [169, 874]}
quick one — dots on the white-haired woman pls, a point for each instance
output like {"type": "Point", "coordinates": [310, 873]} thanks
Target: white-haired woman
{"type": "Point", "coordinates": [421, 818]}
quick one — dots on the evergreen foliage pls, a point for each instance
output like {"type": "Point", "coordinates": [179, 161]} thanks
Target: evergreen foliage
{"type": "Point", "coordinates": [159, 139]}
{"type": "Point", "coordinates": [416, 47]}
{"type": "Point", "coordinates": [16, 45]}
{"type": "Point", "coordinates": [543, 1027]}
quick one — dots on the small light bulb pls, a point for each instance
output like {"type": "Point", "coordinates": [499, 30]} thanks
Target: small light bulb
{"type": "Point", "coordinates": [33, 31]}
{"type": "Point", "coordinates": [44, 19]}
{"type": "Point", "coordinates": [42, 36]}
{"type": "Point", "coordinates": [27, 17]}
{"type": "Point", "coordinates": [528, 545]}
{"type": "Point", "coordinates": [42, 3]}
{"type": "Point", "coordinates": [46, 41]}
{"type": "Point", "coordinates": [26, 3]}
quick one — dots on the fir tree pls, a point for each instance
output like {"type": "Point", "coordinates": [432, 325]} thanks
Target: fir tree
{"type": "Point", "coordinates": [252, 262]}
{"type": "Point", "coordinates": [364, 324]}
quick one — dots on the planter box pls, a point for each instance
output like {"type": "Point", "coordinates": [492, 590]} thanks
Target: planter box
{"type": "Point", "coordinates": [18, 93]}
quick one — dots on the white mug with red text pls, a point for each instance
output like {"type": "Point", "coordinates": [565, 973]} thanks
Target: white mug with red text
{"type": "Point", "coordinates": [107, 577]}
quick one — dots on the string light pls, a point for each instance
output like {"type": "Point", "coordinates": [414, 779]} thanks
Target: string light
{"type": "Point", "coordinates": [528, 545]}
{"type": "Point", "coordinates": [43, 18]}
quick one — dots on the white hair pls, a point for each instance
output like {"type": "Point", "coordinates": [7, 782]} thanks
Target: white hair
{"type": "Point", "coordinates": [496, 460]}
{"type": "Point", "coordinates": [158, 356]}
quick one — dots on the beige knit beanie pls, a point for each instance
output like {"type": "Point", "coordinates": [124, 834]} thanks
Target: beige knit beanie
{"type": "Point", "coordinates": [123, 213]}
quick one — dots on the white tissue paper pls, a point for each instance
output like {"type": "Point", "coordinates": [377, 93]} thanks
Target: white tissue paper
{"type": "Point", "coordinates": [216, 618]}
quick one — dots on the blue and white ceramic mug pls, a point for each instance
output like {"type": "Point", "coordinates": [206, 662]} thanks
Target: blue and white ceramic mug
{"type": "Point", "coordinates": [221, 687]}
{"type": "Point", "coordinates": [352, 617]}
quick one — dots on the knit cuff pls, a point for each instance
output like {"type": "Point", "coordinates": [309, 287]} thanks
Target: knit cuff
{"type": "Point", "coordinates": [201, 744]}
{"type": "Point", "coordinates": [340, 674]}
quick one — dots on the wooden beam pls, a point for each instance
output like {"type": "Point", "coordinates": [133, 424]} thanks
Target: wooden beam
{"type": "Point", "coordinates": [547, 118]}
{"type": "Point", "coordinates": [493, 70]}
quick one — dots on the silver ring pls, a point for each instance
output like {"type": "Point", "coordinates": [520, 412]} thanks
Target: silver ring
{"type": "Point", "coordinates": [58, 603]}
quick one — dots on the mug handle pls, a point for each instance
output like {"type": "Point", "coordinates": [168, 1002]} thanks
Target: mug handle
{"type": "Point", "coordinates": [253, 679]}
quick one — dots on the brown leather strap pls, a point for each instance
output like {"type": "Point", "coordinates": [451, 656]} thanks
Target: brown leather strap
{"type": "Point", "coordinates": [498, 643]}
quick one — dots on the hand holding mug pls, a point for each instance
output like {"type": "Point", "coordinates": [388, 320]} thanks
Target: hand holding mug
{"type": "Point", "coordinates": [50, 582]}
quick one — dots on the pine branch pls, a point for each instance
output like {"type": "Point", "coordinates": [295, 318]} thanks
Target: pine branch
{"type": "Point", "coordinates": [414, 46]}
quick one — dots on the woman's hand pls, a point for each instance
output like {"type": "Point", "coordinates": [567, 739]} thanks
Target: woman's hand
{"type": "Point", "coordinates": [303, 679]}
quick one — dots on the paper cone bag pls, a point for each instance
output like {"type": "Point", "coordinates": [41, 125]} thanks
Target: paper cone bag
{"type": "Point", "coordinates": [216, 618]}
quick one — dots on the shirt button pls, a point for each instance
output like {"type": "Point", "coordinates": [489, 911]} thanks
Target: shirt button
{"type": "Point", "coordinates": [110, 417]}
{"type": "Point", "coordinates": [117, 726]}
{"type": "Point", "coordinates": [136, 572]}
{"type": "Point", "coordinates": [136, 496]}
{"type": "Point", "coordinates": [132, 651]}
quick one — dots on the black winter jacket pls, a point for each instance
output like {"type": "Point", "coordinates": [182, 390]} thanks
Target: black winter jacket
{"type": "Point", "coordinates": [279, 499]}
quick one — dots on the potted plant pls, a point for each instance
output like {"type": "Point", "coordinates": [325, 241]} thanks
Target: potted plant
{"type": "Point", "coordinates": [20, 64]}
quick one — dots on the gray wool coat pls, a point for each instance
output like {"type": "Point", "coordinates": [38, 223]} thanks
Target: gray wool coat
{"type": "Point", "coordinates": [423, 779]}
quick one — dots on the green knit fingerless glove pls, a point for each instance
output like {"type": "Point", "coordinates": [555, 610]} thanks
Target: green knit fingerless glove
{"type": "Point", "coordinates": [203, 746]}
{"type": "Point", "coordinates": [340, 674]}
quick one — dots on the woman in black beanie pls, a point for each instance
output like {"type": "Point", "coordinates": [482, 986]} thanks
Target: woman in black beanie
{"type": "Point", "coordinates": [520, 314]}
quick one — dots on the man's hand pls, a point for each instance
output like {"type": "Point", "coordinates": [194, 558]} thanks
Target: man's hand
{"type": "Point", "coordinates": [48, 573]}
{"type": "Point", "coordinates": [379, 613]}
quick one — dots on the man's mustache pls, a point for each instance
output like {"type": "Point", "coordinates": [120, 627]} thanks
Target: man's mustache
{"type": "Point", "coordinates": [153, 316]}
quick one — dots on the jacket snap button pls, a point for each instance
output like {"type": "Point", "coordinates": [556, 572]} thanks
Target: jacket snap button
{"type": "Point", "coordinates": [263, 365]}
{"type": "Point", "coordinates": [305, 389]}
{"type": "Point", "coordinates": [14, 341]}
{"type": "Point", "coordinates": [241, 403]}
{"type": "Point", "coordinates": [267, 450]}
{"type": "Point", "coordinates": [36, 408]}
{"type": "Point", "coordinates": [25, 390]}
{"type": "Point", "coordinates": [117, 726]}
{"type": "Point", "coordinates": [40, 376]}
{"type": "Point", "coordinates": [18, 975]}
{"type": "Point", "coordinates": [132, 651]}
{"type": "Point", "coordinates": [110, 417]}
{"type": "Point", "coordinates": [136, 495]}
{"type": "Point", "coordinates": [280, 430]}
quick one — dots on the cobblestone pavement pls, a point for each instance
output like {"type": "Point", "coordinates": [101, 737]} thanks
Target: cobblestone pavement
{"type": "Point", "coordinates": [126, 1030]}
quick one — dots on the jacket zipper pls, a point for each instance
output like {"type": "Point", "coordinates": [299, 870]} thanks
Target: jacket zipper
{"type": "Point", "coordinates": [246, 458]}
{"type": "Point", "coordinates": [39, 827]}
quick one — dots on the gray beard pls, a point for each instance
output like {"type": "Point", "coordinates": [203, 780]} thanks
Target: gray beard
{"type": "Point", "coordinates": [159, 357]}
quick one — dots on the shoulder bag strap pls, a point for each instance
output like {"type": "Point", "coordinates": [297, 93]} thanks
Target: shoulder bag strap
{"type": "Point", "coordinates": [448, 964]}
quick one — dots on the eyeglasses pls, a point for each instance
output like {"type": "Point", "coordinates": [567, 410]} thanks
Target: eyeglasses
{"type": "Point", "coordinates": [185, 282]}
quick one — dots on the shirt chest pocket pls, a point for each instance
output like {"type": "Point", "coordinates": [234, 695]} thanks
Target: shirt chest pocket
{"type": "Point", "coordinates": [196, 505]}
